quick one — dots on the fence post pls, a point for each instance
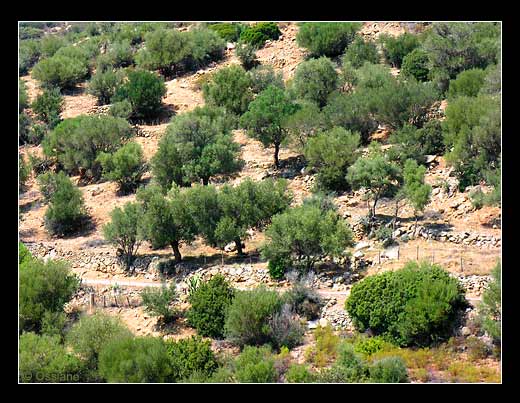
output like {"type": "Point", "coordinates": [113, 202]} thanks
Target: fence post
{"type": "Point", "coordinates": [461, 267]}
{"type": "Point", "coordinates": [379, 254]}
{"type": "Point", "coordinates": [92, 302]}
{"type": "Point", "coordinates": [417, 254]}
{"type": "Point", "coordinates": [222, 261]}
{"type": "Point", "coordinates": [128, 300]}
{"type": "Point", "coordinates": [104, 304]}
{"type": "Point", "coordinates": [398, 249]}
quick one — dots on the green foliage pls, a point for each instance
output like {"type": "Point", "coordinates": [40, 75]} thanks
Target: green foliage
{"type": "Point", "coordinates": [373, 77]}
{"type": "Point", "coordinates": [126, 166]}
{"type": "Point", "coordinates": [103, 85]}
{"type": "Point", "coordinates": [190, 356]}
{"type": "Point", "coordinates": [361, 51]}
{"type": "Point", "coordinates": [24, 170]}
{"type": "Point", "coordinates": [227, 31]}
{"type": "Point", "coordinates": [265, 116]}
{"type": "Point", "coordinates": [50, 44]}
{"type": "Point", "coordinates": [77, 142]}
{"type": "Point", "coordinates": [389, 370]}
{"type": "Point", "coordinates": [490, 309]}
{"type": "Point", "coordinates": [205, 46]}
{"type": "Point", "coordinates": [472, 133]}
{"type": "Point", "coordinates": [396, 48]}
{"type": "Point", "coordinates": [493, 81]}
{"type": "Point", "coordinates": [60, 71]}
{"type": "Point", "coordinates": [124, 231]}
{"type": "Point", "coordinates": [331, 153]}
{"type": "Point", "coordinates": [263, 76]}
{"type": "Point", "coordinates": [453, 47]}
{"type": "Point", "coordinates": [23, 98]}
{"type": "Point", "coordinates": [371, 345]}
{"type": "Point", "coordinates": [415, 189]}
{"type": "Point", "coordinates": [144, 90]}
{"type": "Point", "coordinates": [468, 83]}
{"type": "Point", "coordinates": [120, 54]}
{"type": "Point", "coordinates": [257, 34]}
{"type": "Point", "coordinates": [92, 333]}
{"type": "Point", "coordinates": [209, 302]}
{"type": "Point", "coordinates": [246, 53]}
{"type": "Point", "coordinates": [277, 267]}
{"type": "Point", "coordinates": [348, 367]}
{"type": "Point", "coordinates": [286, 330]}
{"type": "Point", "coordinates": [326, 347]}
{"type": "Point", "coordinates": [248, 315]}
{"type": "Point", "coordinates": [121, 109]}
{"type": "Point", "coordinates": [303, 300]}
{"type": "Point", "coordinates": [66, 212]}
{"type": "Point", "coordinates": [23, 253]}
{"type": "Point", "coordinates": [314, 80]}
{"type": "Point", "coordinates": [305, 235]}
{"type": "Point", "coordinates": [48, 106]}
{"type": "Point", "coordinates": [229, 88]}
{"type": "Point", "coordinates": [414, 305]}
{"type": "Point", "coordinates": [255, 365]}
{"type": "Point", "coordinates": [383, 235]}
{"type": "Point", "coordinates": [157, 301]}
{"type": "Point", "coordinates": [140, 359]}
{"type": "Point", "coordinates": [416, 64]}
{"type": "Point", "coordinates": [299, 373]}
{"type": "Point", "coordinates": [28, 54]}
{"type": "Point", "coordinates": [327, 38]}
{"type": "Point", "coordinates": [305, 123]}
{"type": "Point", "coordinates": [43, 359]}
{"type": "Point", "coordinates": [44, 286]}
{"type": "Point", "coordinates": [376, 174]}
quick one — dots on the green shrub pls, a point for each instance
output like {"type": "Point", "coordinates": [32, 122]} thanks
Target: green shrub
{"type": "Point", "coordinates": [389, 370]}
{"type": "Point", "coordinates": [303, 300]}
{"type": "Point", "coordinates": [255, 365]}
{"type": "Point", "coordinates": [28, 54]}
{"type": "Point", "coordinates": [209, 303]}
{"type": "Point", "coordinates": [24, 172]}
{"type": "Point", "coordinates": [361, 51]}
{"type": "Point", "coordinates": [144, 90]}
{"type": "Point", "coordinates": [246, 53]}
{"type": "Point", "coordinates": [415, 64]}
{"type": "Point", "coordinates": [48, 183]}
{"type": "Point", "coordinates": [43, 359]}
{"type": "Point", "coordinates": [103, 85]}
{"type": "Point", "coordinates": [490, 309]}
{"type": "Point", "coordinates": [248, 315]}
{"type": "Point", "coordinates": [48, 106]}
{"type": "Point", "coordinates": [327, 38]}
{"type": "Point", "coordinates": [396, 48]}
{"type": "Point", "coordinates": [305, 235]}
{"type": "Point", "coordinates": [50, 44]}
{"type": "Point", "coordinates": [60, 71]}
{"type": "Point", "coordinates": [44, 286]}
{"type": "Point", "coordinates": [228, 31]}
{"type": "Point", "coordinates": [314, 80]}
{"type": "Point", "coordinates": [126, 166]}
{"type": "Point", "coordinates": [299, 373]}
{"type": "Point", "coordinates": [140, 359]}
{"type": "Point", "coordinates": [277, 267]}
{"type": "Point", "coordinates": [493, 81]}
{"type": "Point", "coordinates": [286, 330]}
{"type": "Point", "coordinates": [190, 356]}
{"type": "Point", "coordinates": [468, 83]}
{"type": "Point", "coordinates": [77, 142]}
{"type": "Point", "coordinates": [206, 46]}
{"type": "Point", "coordinates": [23, 98]}
{"type": "Point", "coordinates": [384, 235]}
{"type": "Point", "coordinates": [23, 253]}
{"type": "Point", "coordinates": [92, 333]}
{"type": "Point", "coordinates": [121, 109]}
{"type": "Point", "coordinates": [304, 124]}
{"type": "Point", "coordinates": [371, 345]}
{"type": "Point", "coordinates": [157, 301]}
{"type": "Point", "coordinates": [66, 212]}
{"type": "Point", "coordinates": [124, 231]}
{"type": "Point", "coordinates": [229, 88]}
{"type": "Point", "coordinates": [331, 153]}
{"type": "Point", "coordinates": [263, 76]}
{"type": "Point", "coordinates": [257, 34]}
{"type": "Point", "coordinates": [414, 305]}
{"type": "Point", "coordinates": [120, 54]}
{"type": "Point", "coordinates": [38, 164]}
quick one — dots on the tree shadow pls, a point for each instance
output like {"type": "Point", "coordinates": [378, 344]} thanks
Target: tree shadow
{"type": "Point", "coordinates": [74, 90]}
{"type": "Point", "coordinates": [86, 226]}
{"type": "Point", "coordinates": [164, 115]}
{"type": "Point", "coordinates": [439, 227]}
{"type": "Point", "coordinates": [25, 207]}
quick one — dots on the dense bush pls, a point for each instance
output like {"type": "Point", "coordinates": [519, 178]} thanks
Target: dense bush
{"type": "Point", "coordinates": [303, 300]}
{"type": "Point", "coordinates": [490, 309]}
{"type": "Point", "coordinates": [124, 231]}
{"type": "Point", "coordinates": [144, 90]}
{"type": "Point", "coordinates": [327, 38]}
{"type": "Point", "coordinates": [77, 142]}
{"type": "Point", "coordinates": [24, 171]}
{"type": "Point", "coordinates": [389, 370]}
{"type": "Point", "coordinates": [468, 83]}
{"type": "Point", "coordinates": [43, 359]}
{"type": "Point", "coordinates": [120, 54]}
{"type": "Point", "coordinates": [48, 106]}
{"type": "Point", "coordinates": [50, 44]}
{"type": "Point", "coordinates": [493, 81]}
{"type": "Point", "coordinates": [415, 64]}
{"type": "Point", "coordinates": [414, 188]}
{"type": "Point", "coordinates": [361, 51]}
{"type": "Point", "coordinates": [248, 315]}
{"type": "Point", "coordinates": [314, 80]}
{"type": "Point", "coordinates": [414, 305]}
{"type": "Point", "coordinates": [228, 31]}
{"type": "Point", "coordinates": [126, 166]}
{"type": "Point", "coordinates": [206, 46]}
{"type": "Point", "coordinates": [209, 303]}
{"type": "Point", "coordinates": [246, 53]}
{"type": "Point", "coordinates": [299, 373]}
{"type": "Point", "coordinates": [188, 356]}
{"type": "Point", "coordinates": [60, 71]}
{"type": "Point", "coordinates": [331, 153]}
{"type": "Point", "coordinates": [396, 48]}
{"type": "Point", "coordinates": [257, 34]}
{"type": "Point", "coordinates": [23, 253]}
{"type": "Point", "coordinates": [305, 235]}
{"type": "Point", "coordinates": [91, 333]}
{"type": "Point", "coordinates": [157, 301]}
{"type": "Point", "coordinates": [265, 116]}
{"type": "Point", "coordinates": [121, 109]}
{"type": "Point", "coordinates": [140, 359]}
{"type": "Point", "coordinates": [286, 330]}
{"type": "Point", "coordinates": [305, 123]}
{"type": "Point", "coordinates": [103, 85]}
{"type": "Point", "coordinates": [229, 88]}
{"type": "Point", "coordinates": [263, 76]}
{"type": "Point", "coordinates": [23, 98]}
{"type": "Point", "coordinates": [28, 54]}
{"type": "Point", "coordinates": [255, 365]}
{"type": "Point", "coordinates": [43, 287]}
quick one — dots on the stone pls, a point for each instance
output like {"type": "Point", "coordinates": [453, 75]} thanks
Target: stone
{"type": "Point", "coordinates": [358, 255]}
{"type": "Point", "coordinates": [323, 322]}
{"type": "Point", "coordinates": [230, 247]}
{"type": "Point", "coordinates": [361, 245]}
{"type": "Point", "coordinates": [465, 331]}
{"type": "Point", "coordinates": [312, 324]}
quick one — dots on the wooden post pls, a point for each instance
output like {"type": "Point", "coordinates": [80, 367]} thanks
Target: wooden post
{"type": "Point", "coordinates": [417, 254]}
{"type": "Point", "coordinates": [461, 268]}
{"type": "Point", "coordinates": [398, 249]}
{"type": "Point", "coordinates": [128, 300]}
{"type": "Point", "coordinates": [222, 261]}
{"type": "Point", "coordinates": [379, 257]}
{"type": "Point", "coordinates": [92, 302]}
{"type": "Point", "coordinates": [104, 304]}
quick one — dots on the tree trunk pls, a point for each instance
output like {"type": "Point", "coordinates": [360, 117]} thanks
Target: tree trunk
{"type": "Point", "coordinates": [238, 244]}
{"type": "Point", "coordinates": [176, 251]}
{"type": "Point", "coordinates": [276, 151]}
{"type": "Point", "coordinates": [205, 181]}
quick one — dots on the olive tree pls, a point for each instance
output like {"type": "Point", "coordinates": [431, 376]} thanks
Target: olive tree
{"type": "Point", "coordinates": [314, 80]}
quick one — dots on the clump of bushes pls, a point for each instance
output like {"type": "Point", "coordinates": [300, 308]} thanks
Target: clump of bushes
{"type": "Point", "coordinates": [416, 305]}
{"type": "Point", "coordinates": [60, 71]}
{"type": "Point", "coordinates": [389, 370]}
{"type": "Point", "coordinates": [228, 31]}
{"type": "Point", "coordinates": [327, 38]}
{"type": "Point", "coordinates": [314, 80]}
{"type": "Point", "coordinates": [246, 53]}
{"type": "Point", "coordinates": [257, 34]}
{"type": "Point", "coordinates": [157, 301]}
{"type": "Point", "coordinates": [190, 356]}
{"type": "Point", "coordinates": [361, 51]}
{"type": "Point", "coordinates": [48, 106]}
{"type": "Point", "coordinates": [103, 85]}
{"type": "Point", "coordinates": [255, 365]}
{"type": "Point", "coordinates": [396, 48]}
{"type": "Point", "coordinates": [415, 64]}
{"type": "Point", "coordinates": [468, 83]}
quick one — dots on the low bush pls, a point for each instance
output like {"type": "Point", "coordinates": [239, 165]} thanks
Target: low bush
{"type": "Point", "coordinates": [303, 300]}
{"type": "Point", "coordinates": [157, 301]}
{"type": "Point", "coordinates": [48, 106]}
{"type": "Point", "coordinates": [24, 171]}
{"type": "Point", "coordinates": [326, 348]}
{"type": "Point", "coordinates": [327, 38]}
{"type": "Point", "coordinates": [285, 328]}
{"type": "Point", "coordinates": [227, 31]}
{"type": "Point", "coordinates": [191, 356]}
{"type": "Point", "coordinates": [28, 54]}
{"type": "Point", "coordinates": [255, 365]}
{"type": "Point", "coordinates": [209, 302]}
{"type": "Point", "coordinates": [60, 71]}
{"type": "Point", "coordinates": [389, 370]}
{"type": "Point", "coordinates": [121, 109]}
{"type": "Point", "coordinates": [246, 53]}
{"type": "Point", "coordinates": [314, 80]}
{"type": "Point", "coordinates": [415, 64]}
{"type": "Point", "coordinates": [257, 34]}
{"type": "Point", "coordinates": [361, 51]}
{"type": "Point", "coordinates": [103, 85]}
{"type": "Point", "coordinates": [468, 83]}
{"type": "Point", "coordinates": [396, 48]}
{"type": "Point", "coordinates": [299, 373]}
